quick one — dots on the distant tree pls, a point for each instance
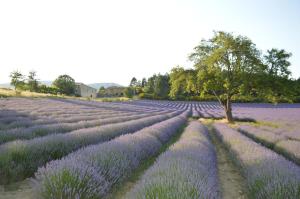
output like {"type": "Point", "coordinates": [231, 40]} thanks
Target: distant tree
{"type": "Point", "coordinates": [275, 82]}
{"type": "Point", "coordinates": [133, 82]}
{"type": "Point", "coordinates": [48, 89]}
{"type": "Point", "coordinates": [65, 84]}
{"type": "Point", "coordinates": [277, 62]}
{"type": "Point", "coordinates": [297, 89]}
{"type": "Point", "coordinates": [149, 88]}
{"type": "Point", "coordinates": [161, 86]}
{"type": "Point", "coordinates": [129, 92]}
{"type": "Point", "coordinates": [17, 79]}
{"type": "Point", "coordinates": [144, 82]}
{"type": "Point", "coordinates": [101, 91]}
{"type": "Point", "coordinates": [225, 63]}
{"type": "Point", "coordinates": [177, 79]}
{"type": "Point", "coordinates": [183, 83]}
{"type": "Point", "coordinates": [139, 83]}
{"type": "Point", "coordinates": [32, 82]}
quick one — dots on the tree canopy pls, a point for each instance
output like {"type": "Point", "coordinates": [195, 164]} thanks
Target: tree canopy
{"type": "Point", "coordinates": [277, 62]}
{"type": "Point", "coordinates": [225, 64]}
{"type": "Point", "coordinates": [65, 84]}
{"type": "Point", "coordinates": [32, 81]}
{"type": "Point", "coordinates": [17, 79]}
{"type": "Point", "coordinates": [182, 83]}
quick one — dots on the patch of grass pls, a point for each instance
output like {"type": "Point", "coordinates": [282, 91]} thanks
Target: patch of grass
{"type": "Point", "coordinates": [210, 121]}
{"type": "Point", "coordinates": [237, 122]}
{"type": "Point", "coordinates": [112, 99]}
{"type": "Point", "coordinates": [6, 92]}
{"type": "Point", "coordinates": [258, 123]}
{"type": "Point", "coordinates": [240, 122]}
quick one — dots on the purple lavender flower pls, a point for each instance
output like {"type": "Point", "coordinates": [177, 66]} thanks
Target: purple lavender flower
{"type": "Point", "coordinates": [268, 174]}
{"type": "Point", "coordinates": [187, 170]}
{"type": "Point", "coordinates": [110, 162]}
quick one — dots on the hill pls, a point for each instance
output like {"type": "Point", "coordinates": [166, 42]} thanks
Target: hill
{"type": "Point", "coordinates": [105, 85]}
{"type": "Point", "coordinates": [48, 83]}
{"type": "Point", "coordinates": [6, 85]}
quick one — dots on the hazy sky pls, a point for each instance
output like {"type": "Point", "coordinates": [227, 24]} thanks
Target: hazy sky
{"type": "Point", "coordinates": [111, 41]}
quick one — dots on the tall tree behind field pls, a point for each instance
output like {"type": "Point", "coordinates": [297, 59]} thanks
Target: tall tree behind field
{"type": "Point", "coordinates": [277, 63]}
{"type": "Point", "coordinates": [17, 79]}
{"type": "Point", "coordinates": [149, 87]}
{"type": "Point", "coordinates": [157, 87]}
{"type": "Point", "coordinates": [224, 64]}
{"type": "Point", "coordinates": [65, 84]}
{"type": "Point", "coordinates": [133, 82]}
{"type": "Point", "coordinates": [32, 82]}
{"type": "Point", "coordinates": [144, 82]}
{"type": "Point", "coordinates": [183, 83]}
{"type": "Point", "coordinates": [276, 82]}
{"type": "Point", "coordinates": [161, 87]}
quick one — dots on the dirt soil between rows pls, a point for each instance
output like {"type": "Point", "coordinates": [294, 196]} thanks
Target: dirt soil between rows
{"type": "Point", "coordinates": [232, 183]}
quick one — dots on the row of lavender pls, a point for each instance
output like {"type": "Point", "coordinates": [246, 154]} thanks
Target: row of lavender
{"type": "Point", "coordinates": [23, 113]}
{"type": "Point", "coordinates": [63, 127]}
{"type": "Point", "coordinates": [20, 159]}
{"type": "Point", "coordinates": [268, 174]}
{"type": "Point", "coordinates": [264, 112]}
{"type": "Point", "coordinates": [258, 111]}
{"type": "Point", "coordinates": [187, 170]}
{"type": "Point", "coordinates": [277, 139]}
{"type": "Point", "coordinates": [34, 123]}
{"type": "Point", "coordinates": [18, 113]}
{"type": "Point", "coordinates": [92, 171]}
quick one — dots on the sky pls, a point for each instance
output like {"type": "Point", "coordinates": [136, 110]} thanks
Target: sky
{"type": "Point", "coordinates": [114, 40]}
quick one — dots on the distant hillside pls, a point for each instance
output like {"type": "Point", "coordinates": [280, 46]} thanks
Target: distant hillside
{"type": "Point", "coordinates": [105, 85]}
{"type": "Point", "coordinates": [49, 83]}
{"type": "Point", "coordinates": [6, 85]}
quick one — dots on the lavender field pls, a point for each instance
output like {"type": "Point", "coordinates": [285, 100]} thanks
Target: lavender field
{"type": "Point", "coordinates": [68, 148]}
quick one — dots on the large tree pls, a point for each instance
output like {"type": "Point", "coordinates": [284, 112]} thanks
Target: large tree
{"type": "Point", "coordinates": [225, 64]}
{"type": "Point", "coordinates": [65, 84]}
{"type": "Point", "coordinates": [17, 79]}
{"type": "Point", "coordinates": [149, 87]}
{"type": "Point", "coordinates": [133, 82]}
{"type": "Point", "coordinates": [183, 83]}
{"type": "Point", "coordinates": [276, 82]}
{"type": "Point", "coordinates": [161, 86]}
{"type": "Point", "coordinates": [277, 62]}
{"type": "Point", "coordinates": [144, 82]}
{"type": "Point", "coordinates": [32, 81]}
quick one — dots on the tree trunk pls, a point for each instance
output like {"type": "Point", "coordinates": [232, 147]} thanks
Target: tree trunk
{"type": "Point", "coordinates": [227, 107]}
{"type": "Point", "coordinates": [228, 110]}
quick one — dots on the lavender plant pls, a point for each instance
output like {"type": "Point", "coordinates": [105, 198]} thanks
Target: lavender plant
{"type": "Point", "coordinates": [20, 159]}
{"type": "Point", "coordinates": [96, 169]}
{"type": "Point", "coordinates": [188, 170]}
{"type": "Point", "coordinates": [279, 142]}
{"type": "Point", "coordinates": [266, 137]}
{"type": "Point", "coordinates": [289, 148]}
{"type": "Point", "coordinates": [42, 130]}
{"type": "Point", "coordinates": [268, 174]}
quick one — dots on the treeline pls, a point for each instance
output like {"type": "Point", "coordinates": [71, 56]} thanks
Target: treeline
{"type": "Point", "coordinates": [112, 91]}
{"type": "Point", "coordinates": [156, 87]}
{"type": "Point", "coordinates": [63, 84]}
{"type": "Point", "coordinates": [225, 66]}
